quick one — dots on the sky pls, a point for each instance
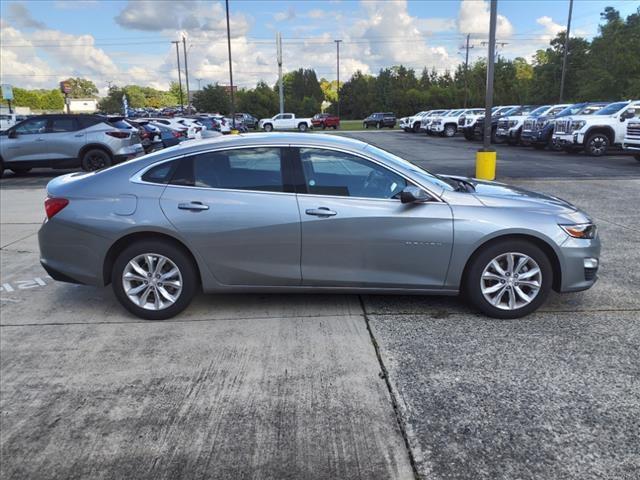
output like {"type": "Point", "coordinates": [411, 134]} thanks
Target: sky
{"type": "Point", "coordinates": [125, 42]}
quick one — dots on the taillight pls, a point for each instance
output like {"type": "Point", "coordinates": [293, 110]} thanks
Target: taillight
{"type": "Point", "coordinates": [53, 205]}
{"type": "Point", "coordinates": [118, 134]}
{"type": "Point", "coordinates": [176, 134]}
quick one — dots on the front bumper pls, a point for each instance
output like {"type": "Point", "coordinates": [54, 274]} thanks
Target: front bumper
{"type": "Point", "coordinates": [631, 146]}
{"type": "Point", "coordinates": [580, 263]}
{"type": "Point", "coordinates": [438, 128]}
{"type": "Point", "coordinates": [568, 139]}
{"type": "Point", "coordinates": [507, 133]}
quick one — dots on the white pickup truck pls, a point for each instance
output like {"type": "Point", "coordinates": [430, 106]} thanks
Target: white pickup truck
{"type": "Point", "coordinates": [597, 133]}
{"type": "Point", "coordinates": [285, 121]}
{"type": "Point", "coordinates": [632, 137]}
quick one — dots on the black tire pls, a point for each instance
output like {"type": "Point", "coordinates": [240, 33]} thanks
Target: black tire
{"type": "Point", "coordinates": [268, 127]}
{"type": "Point", "coordinates": [20, 171]}
{"type": "Point", "coordinates": [178, 256]}
{"type": "Point", "coordinates": [335, 127]}
{"type": "Point", "coordinates": [449, 131]}
{"type": "Point", "coordinates": [416, 127]}
{"type": "Point", "coordinates": [637, 157]}
{"type": "Point", "coordinates": [95, 159]}
{"type": "Point", "coordinates": [302, 127]}
{"type": "Point", "coordinates": [597, 144]}
{"type": "Point", "coordinates": [472, 282]}
{"type": "Point", "coordinates": [324, 127]}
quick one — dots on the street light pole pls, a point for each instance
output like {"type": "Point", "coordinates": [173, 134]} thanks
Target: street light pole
{"type": "Point", "coordinates": [186, 74]}
{"type": "Point", "coordinates": [179, 75]}
{"type": "Point", "coordinates": [566, 51]}
{"type": "Point", "coordinates": [338, 74]}
{"type": "Point", "coordinates": [233, 106]}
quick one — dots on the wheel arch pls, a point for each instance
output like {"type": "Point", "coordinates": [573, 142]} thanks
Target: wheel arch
{"type": "Point", "coordinates": [123, 242]}
{"type": "Point", "coordinates": [537, 241]}
{"type": "Point", "coordinates": [606, 129]}
{"type": "Point", "coordinates": [94, 146]}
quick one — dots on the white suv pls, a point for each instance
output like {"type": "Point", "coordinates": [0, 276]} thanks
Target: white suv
{"type": "Point", "coordinates": [412, 124]}
{"type": "Point", "coordinates": [598, 132]}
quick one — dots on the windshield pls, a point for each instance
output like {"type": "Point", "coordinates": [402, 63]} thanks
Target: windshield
{"type": "Point", "coordinates": [612, 108]}
{"type": "Point", "coordinates": [507, 111]}
{"type": "Point", "coordinates": [539, 111]}
{"type": "Point", "coordinates": [443, 183]}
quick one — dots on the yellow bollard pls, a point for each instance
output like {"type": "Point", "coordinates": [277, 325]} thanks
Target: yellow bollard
{"type": "Point", "coordinates": [486, 165]}
{"type": "Point", "coordinates": [235, 132]}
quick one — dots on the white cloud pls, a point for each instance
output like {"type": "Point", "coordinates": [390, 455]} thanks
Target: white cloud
{"type": "Point", "coordinates": [474, 16]}
{"type": "Point", "coordinates": [287, 15]}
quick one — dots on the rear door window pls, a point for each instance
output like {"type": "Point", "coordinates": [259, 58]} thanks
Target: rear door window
{"type": "Point", "coordinates": [63, 124]}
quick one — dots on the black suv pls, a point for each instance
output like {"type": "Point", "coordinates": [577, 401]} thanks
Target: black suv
{"type": "Point", "coordinates": [379, 120]}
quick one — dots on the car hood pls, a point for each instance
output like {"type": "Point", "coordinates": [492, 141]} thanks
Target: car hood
{"type": "Point", "coordinates": [495, 194]}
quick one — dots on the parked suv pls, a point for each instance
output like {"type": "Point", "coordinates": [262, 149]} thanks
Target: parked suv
{"type": "Point", "coordinates": [67, 141]}
{"type": "Point", "coordinates": [510, 126]}
{"type": "Point", "coordinates": [475, 129]}
{"type": "Point", "coordinates": [538, 132]}
{"type": "Point", "coordinates": [596, 133]}
{"type": "Point", "coordinates": [380, 120]}
{"type": "Point", "coordinates": [247, 120]}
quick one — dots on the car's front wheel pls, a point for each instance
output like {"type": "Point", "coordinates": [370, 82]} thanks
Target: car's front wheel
{"type": "Point", "coordinates": [268, 127]}
{"type": "Point", "coordinates": [95, 159]}
{"type": "Point", "coordinates": [449, 131]}
{"type": "Point", "coordinates": [154, 280]}
{"type": "Point", "coordinates": [509, 279]}
{"type": "Point", "coordinates": [597, 144]}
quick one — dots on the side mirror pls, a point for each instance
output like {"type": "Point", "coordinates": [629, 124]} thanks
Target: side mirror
{"type": "Point", "coordinates": [627, 114]}
{"type": "Point", "coordinates": [13, 134]}
{"type": "Point", "coordinates": [411, 194]}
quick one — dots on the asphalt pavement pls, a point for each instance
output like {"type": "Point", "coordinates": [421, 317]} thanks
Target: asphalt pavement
{"type": "Point", "coordinates": [329, 386]}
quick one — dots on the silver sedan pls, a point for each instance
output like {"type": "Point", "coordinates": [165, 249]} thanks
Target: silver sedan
{"type": "Point", "coordinates": [309, 213]}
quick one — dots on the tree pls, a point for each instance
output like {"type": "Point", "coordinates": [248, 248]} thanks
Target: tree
{"type": "Point", "coordinates": [53, 100]}
{"type": "Point", "coordinates": [261, 101]}
{"type": "Point", "coordinates": [82, 88]}
{"type": "Point", "coordinates": [212, 98]}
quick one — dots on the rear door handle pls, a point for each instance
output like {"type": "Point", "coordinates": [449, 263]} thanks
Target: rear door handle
{"type": "Point", "coordinates": [321, 212]}
{"type": "Point", "coordinates": [195, 206]}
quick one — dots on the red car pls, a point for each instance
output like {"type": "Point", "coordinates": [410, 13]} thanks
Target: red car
{"type": "Point", "coordinates": [325, 120]}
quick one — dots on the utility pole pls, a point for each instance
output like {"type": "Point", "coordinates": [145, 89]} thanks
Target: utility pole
{"type": "Point", "coordinates": [279, 60]}
{"type": "Point", "coordinates": [186, 73]}
{"type": "Point", "coordinates": [566, 51]}
{"type": "Point", "coordinates": [486, 156]}
{"type": "Point", "coordinates": [466, 70]}
{"type": "Point", "coordinates": [338, 73]}
{"type": "Point", "coordinates": [179, 75]}
{"type": "Point", "coordinates": [199, 80]}
{"type": "Point", "coordinates": [233, 106]}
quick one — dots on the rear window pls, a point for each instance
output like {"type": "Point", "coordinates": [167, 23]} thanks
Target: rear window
{"type": "Point", "coordinates": [120, 124]}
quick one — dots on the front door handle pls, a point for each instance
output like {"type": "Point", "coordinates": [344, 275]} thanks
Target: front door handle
{"type": "Point", "coordinates": [321, 212]}
{"type": "Point", "coordinates": [195, 206]}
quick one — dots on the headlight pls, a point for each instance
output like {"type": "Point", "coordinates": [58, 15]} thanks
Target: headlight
{"type": "Point", "coordinates": [577, 124]}
{"type": "Point", "coordinates": [580, 230]}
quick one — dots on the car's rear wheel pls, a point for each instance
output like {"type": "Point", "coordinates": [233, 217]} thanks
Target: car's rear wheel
{"type": "Point", "coordinates": [509, 279]}
{"type": "Point", "coordinates": [20, 171]}
{"type": "Point", "coordinates": [302, 127]}
{"type": "Point", "coordinates": [597, 144]}
{"type": "Point", "coordinates": [95, 159]}
{"type": "Point", "coordinates": [154, 280]}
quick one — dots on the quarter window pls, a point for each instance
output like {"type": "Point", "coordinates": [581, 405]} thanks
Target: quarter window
{"type": "Point", "coordinates": [329, 172]}
{"type": "Point", "coordinates": [242, 169]}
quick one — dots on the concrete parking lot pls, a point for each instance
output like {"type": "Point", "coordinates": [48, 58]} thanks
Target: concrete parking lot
{"type": "Point", "coordinates": [330, 386]}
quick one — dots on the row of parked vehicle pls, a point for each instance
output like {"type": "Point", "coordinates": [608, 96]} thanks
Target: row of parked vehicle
{"type": "Point", "coordinates": [92, 142]}
{"type": "Point", "coordinates": [592, 127]}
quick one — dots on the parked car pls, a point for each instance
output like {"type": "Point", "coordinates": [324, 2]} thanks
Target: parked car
{"type": "Point", "coordinates": [325, 120]}
{"type": "Point", "coordinates": [67, 141]}
{"type": "Point", "coordinates": [149, 134]}
{"type": "Point", "coordinates": [190, 126]}
{"type": "Point", "coordinates": [222, 216]}
{"type": "Point", "coordinates": [538, 132]}
{"type": "Point", "coordinates": [170, 136]}
{"type": "Point", "coordinates": [427, 118]}
{"type": "Point", "coordinates": [446, 124]}
{"type": "Point", "coordinates": [380, 120]}
{"type": "Point", "coordinates": [597, 133]}
{"type": "Point", "coordinates": [8, 120]}
{"type": "Point", "coordinates": [412, 124]}
{"type": "Point", "coordinates": [469, 117]}
{"type": "Point", "coordinates": [632, 137]}
{"type": "Point", "coordinates": [285, 121]}
{"type": "Point", "coordinates": [247, 120]}
{"type": "Point", "coordinates": [509, 126]}
{"type": "Point", "coordinates": [476, 130]}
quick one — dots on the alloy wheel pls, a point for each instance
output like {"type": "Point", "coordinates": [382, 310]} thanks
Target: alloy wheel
{"type": "Point", "coordinates": [152, 281]}
{"type": "Point", "coordinates": [598, 145]}
{"type": "Point", "coordinates": [511, 281]}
